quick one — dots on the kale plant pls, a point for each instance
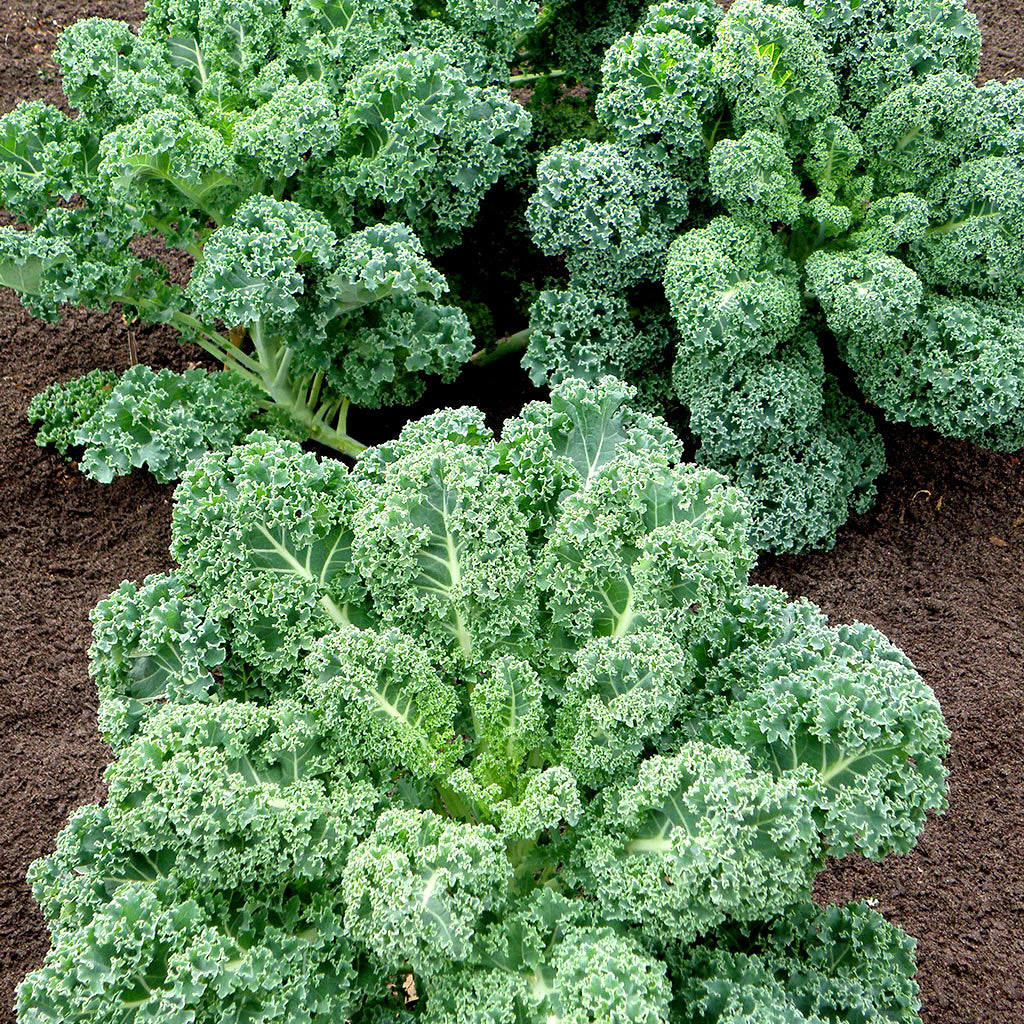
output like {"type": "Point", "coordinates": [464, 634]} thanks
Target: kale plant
{"type": "Point", "coordinates": [482, 731]}
{"type": "Point", "coordinates": [784, 191]}
{"type": "Point", "coordinates": [308, 157]}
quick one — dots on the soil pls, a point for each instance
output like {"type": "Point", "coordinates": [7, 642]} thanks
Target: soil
{"type": "Point", "coordinates": [937, 566]}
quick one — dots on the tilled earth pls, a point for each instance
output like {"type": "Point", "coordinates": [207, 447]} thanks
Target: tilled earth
{"type": "Point", "coordinates": [937, 566]}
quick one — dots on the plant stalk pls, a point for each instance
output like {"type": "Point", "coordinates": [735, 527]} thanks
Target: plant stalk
{"type": "Point", "coordinates": [519, 80]}
{"type": "Point", "coordinates": [505, 346]}
{"type": "Point", "coordinates": [274, 361]}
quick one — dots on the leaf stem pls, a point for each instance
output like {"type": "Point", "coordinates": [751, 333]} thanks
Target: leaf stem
{"type": "Point", "coordinates": [518, 80]}
{"type": "Point", "coordinates": [504, 347]}
{"type": "Point", "coordinates": [218, 346]}
{"type": "Point", "coordinates": [314, 417]}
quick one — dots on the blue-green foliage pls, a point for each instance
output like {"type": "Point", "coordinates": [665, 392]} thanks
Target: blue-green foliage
{"type": "Point", "coordinates": [159, 420]}
{"type": "Point", "coordinates": [786, 972]}
{"type": "Point", "coordinates": [505, 716]}
{"type": "Point", "coordinates": [61, 409]}
{"type": "Point", "coordinates": [575, 33]}
{"type": "Point", "coordinates": [277, 143]}
{"type": "Point", "coordinates": [612, 216]}
{"type": "Point", "coordinates": [830, 174]}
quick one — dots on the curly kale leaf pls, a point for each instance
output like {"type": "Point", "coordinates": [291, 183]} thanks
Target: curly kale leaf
{"type": "Point", "coordinates": [425, 142]}
{"type": "Point", "coordinates": [161, 420]}
{"type": "Point", "coordinates": [62, 409]}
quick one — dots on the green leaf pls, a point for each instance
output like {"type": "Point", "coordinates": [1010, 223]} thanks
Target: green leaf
{"type": "Point", "coordinates": [379, 692]}
{"type": "Point", "coordinates": [322, 563]}
{"type": "Point", "coordinates": [151, 671]}
{"type": "Point", "coordinates": [239, 36]}
{"type": "Point", "coordinates": [441, 553]}
{"type": "Point", "coordinates": [514, 700]}
{"type": "Point", "coordinates": [410, 101]}
{"type": "Point", "coordinates": [137, 168]}
{"type": "Point", "coordinates": [281, 767]}
{"type": "Point", "coordinates": [332, 15]}
{"type": "Point", "coordinates": [391, 702]}
{"type": "Point", "coordinates": [185, 51]}
{"type": "Point", "coordinates": [509, 719]}
{"type": "Point", "coordinates": [380, 261]}
{"type": "Point", "coordinates": [595, 435]}
{"type": "Point", "coordinates": [838, 768]}
{"type": "Point", "coordinates": [21, 151]}
{"type": "Point", "coordinates": [23, 275]}
{"type": "Point", "coordinates": [655, 836]}
{"type": "Point", "coordinates": [435, 908]}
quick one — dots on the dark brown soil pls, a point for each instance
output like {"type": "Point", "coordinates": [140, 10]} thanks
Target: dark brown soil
{"type": "Point", "coordinates": [937, 566]}
{"type": "Point", "coordinates": [1002, 29]}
